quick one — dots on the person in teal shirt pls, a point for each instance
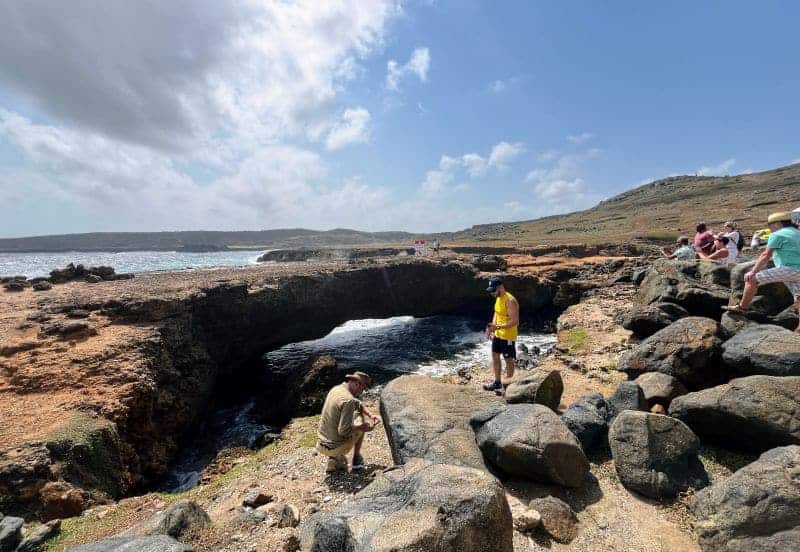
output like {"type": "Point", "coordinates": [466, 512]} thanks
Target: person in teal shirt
{"type": "Point", "coordinates": [783, 249]}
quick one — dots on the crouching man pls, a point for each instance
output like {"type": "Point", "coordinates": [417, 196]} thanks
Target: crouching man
{"type": "Point", "coordinates": [342, 425]}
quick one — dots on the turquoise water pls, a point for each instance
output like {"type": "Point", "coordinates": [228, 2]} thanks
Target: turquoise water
{"type": "Point", "coordinates": [40, 264]}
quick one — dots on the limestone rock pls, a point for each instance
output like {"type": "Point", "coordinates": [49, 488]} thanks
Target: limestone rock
{"type": "Point", "coordinates": [425, 418]}
{"type": "Point", "coordinates": [538, 387]}
{"type": "Point", "coordinates": [763, 349]}
{"type": "Point", "coordinates": [177, 519]}
{"type": "Point", "coordinates": [10, 533]}
{"type": "Point", "coordinates": [755, 413]}
{"type": "Point", "coordinates": [558, 519]}
{"type": "Point", "coordinates": [645, 320]}
{"type": "Point", "coordinates": [530, 441]}
{"type": "Point", "coordinates": [655, 455]}
{"type": "Point", "coordinates": [588, 419]}
{"type": "Point", "coordinates": [158, 543]}
{"type": "Point", "coordinates": [627, 396]}
{"type": "Point", "coordinates": [415, 507]}
{"type": "Point", "coordinates": [687, 350]}
{"type": "Point", "coordinates": [755, 509]}
{"type": "Point", "coordinates": [660, 388]}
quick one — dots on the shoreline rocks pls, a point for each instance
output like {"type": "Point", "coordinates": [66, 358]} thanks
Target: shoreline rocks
{"type": "Point", "coordinates": [537, 387]}
{"type": "Point", "coordinates": [762, 349]}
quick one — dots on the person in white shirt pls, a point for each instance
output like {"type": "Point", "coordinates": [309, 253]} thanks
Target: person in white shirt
{"type": "Point", "coordinates": [733, 234]}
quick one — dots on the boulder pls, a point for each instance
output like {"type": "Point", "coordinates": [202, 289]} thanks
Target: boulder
{"type": "Point", "coordinates": [93, 278]}
{"type": "Point", "coordinates": [255, 498]}
{"type": "Point", "coordinates": [627, 396]}
{"type": "Point", "coordinates": [770, 299]}
{"type": "Point", "coordinates": [687, 350]}
{"type": "Point", "coordinates": [539, 387]}
{"type": "Point", "coordinates": [732, 323]}
{"type": "Point", "coordinates": [763, 349]}
{"type": "Point", "coordinates": [588, 419]}
{"type": "Point", "coordinates": [557, 518]}
{"type": "Point", "coordinates": [10, 533]}
{"type": "Point", "coordinates": [755, 413]}
{"type": "Point", "coordinates": [42, 286]}
{"type": "Point", "coordinates": [530, 441]}
{"type": "Point", "coordinates": [645, 320]}
{"type": "Point", "coordinates": [660, 388]}
{"type": "Point", "coordinates": [16, 285]}
{"type": "Point", "coordinates": [755, 509]}
{"type": "Point", "coordinates": [157, 543]}
{"type": "Point", "coordinates": [415, 507]}
{"type": "Point", "coordinates": [687, 284]}
{"type": "Point", "coordinates": [527, 520]}
{"type": "Point", "coordinates": [425, 418]}
{"type": "Point", "coordinates": [655, 455]}
{"type": "Point", "coordinates": [34, 540]}
{"type": "Point", "coordinates": [175, 521]}
{"type": "Point", "coordinates": [787, 318]}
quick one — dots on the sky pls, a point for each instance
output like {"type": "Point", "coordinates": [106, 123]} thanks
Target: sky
{"type": "Point", "coordinates": [377, 115]}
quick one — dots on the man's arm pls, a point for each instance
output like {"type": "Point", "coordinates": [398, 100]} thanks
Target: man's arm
{"type": "Point", "coordinates": [762, 261]}
{"type": "Point", "coordinates": [367, 414]}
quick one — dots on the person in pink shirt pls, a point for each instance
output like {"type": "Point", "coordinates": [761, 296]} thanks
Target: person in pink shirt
{"type": "Point", "coordinates": [703, 240]}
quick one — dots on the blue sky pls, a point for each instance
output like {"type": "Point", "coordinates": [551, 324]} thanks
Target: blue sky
{"type": "Point", "coordinates": [420, 116]}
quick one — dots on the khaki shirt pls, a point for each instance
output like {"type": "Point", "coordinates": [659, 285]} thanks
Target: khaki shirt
{"type": "Point", "coordinates": [338, 415]}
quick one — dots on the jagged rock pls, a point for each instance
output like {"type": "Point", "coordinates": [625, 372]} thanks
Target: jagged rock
{"type": "Point", "coordinates": [42, 286]}
{"type": "Point", "coordinates": [10, 533]}
{"type": "Point", "coordinates": [156, 543]}
{"type": "Point", "coordinates": [660, 388]}
{"type": "Point", "coordinates": [175, 521]}
{"type": "Point", "coordinates": [763, 349]}
{"type": "Point", "coordinates": [588, 419]}
{"type": "Point", "coordinates": [627, 396]}
{"type": "Point", "coordinates": [558, 519]}
{"type": "Point", "coordinates": [755, 509]}
{"type": "Point", "coordinates": [490, 263]}
{"type": "Point", "coordinates": [755, 413]}
{"type": "Point", "coordinates": [23, 472]}
{"type": "Point", "coordinates": [256, 498]}
{"type": "Point", "coordinates": [34, 540]}
{"type": "Point", "coordinates": [688, 350]}
{"type": "Point", "coordinates": [425, 418]}
{"type": "Point", "coordinates": [684, 283]}
{"type": "Point", "coordinates": [645, 320]}
{"type": "Point", "coordinates": [655, 455]}
{"type": "Point", "coordinates": [540, 387]}
{"type": "Point", "coordinates": [415, 507]}
{"type": "Point", "coordinates": [530, 441]}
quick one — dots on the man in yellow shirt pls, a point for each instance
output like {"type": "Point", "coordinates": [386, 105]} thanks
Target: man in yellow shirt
{"type": "Point", "coordinates": [341, 424]}
{"type": "Point", "coordinates": [504, 330]}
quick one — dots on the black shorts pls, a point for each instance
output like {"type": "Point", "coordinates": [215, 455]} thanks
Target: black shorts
{"type": "Point", "coordinates": [505, 347]}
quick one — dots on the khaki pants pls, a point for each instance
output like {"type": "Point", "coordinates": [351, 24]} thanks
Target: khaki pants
{"type": "Point", "coordinates": [342, 449]}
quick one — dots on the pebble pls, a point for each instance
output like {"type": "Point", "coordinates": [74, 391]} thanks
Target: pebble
{"type": "Point", "coordinates": [328, 498]}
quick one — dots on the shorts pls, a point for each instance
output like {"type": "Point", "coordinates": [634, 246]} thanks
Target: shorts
{"type": "Point", "coordinates": [789, 276]}
{"type": "Point", "coordinates": [504, 347]}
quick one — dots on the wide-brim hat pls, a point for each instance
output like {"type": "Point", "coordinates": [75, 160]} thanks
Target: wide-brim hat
{"type": "Point", "coordinates": [780, 217]}
{"type": "Point", "coordinates": [360, 377]}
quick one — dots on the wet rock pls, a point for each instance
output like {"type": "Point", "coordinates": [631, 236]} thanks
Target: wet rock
{"type": "Point", "coordinates": [42, 286]}
{"type": "Point", "coordinates": [588, 419]}
{"type": "Point", "coordinates": [660, 388]}
{"type": "Point", "coordinates": [755, 413]}
{"type": "Point", "coordinates": [645, 320]}
{"type": "Point", "coordinates": [558, 519]}
{"type": "Point", "coordinates": [627, 396]}
{"type": "Point", "coordinates": [655, 455]}
{"type": "Point", "coordinates": [763, 349]}
{"type": "Point", "coordinates": [540, 387]}
{"type": "Point", "coordinates": [425, 418]}
{"type": "Point", "coordinates": [415, 507]}
{"type": "Point", "coordinates": [757, 508]}
{"type": "Point", "coordinates": [157, 543]}
{"type": "Point", "coordinates": [256, 498]}
{"type": "Point", "coordinates": [34, 540]}
{"type": "Point", "coordinates": [688, 350]}
{"type": "Point", "coordinates": [10, 533]}
{"type": "Point", "coordinates": [530, 441]}
{"type": "Point", "coordinates": [527, 520]}
{"type": "Point", "coordinates": [175, 521]}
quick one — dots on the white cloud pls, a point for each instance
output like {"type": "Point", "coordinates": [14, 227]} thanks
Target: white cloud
{"type": "Point", "coordinates": [473, 164]}
{"type": "Point", "coordinates": [503, 153]}
{"type": "Point", "coordinates": [580, 138]}
{"type": "Point", "coordinates": [794, 161]}
{"type": "Point", "coordinates": [352, 128]}
{"type": "Point", "coordinates": [717, 170]}
{"type": "Point", "coordinates": [418, 64]}
{"type": "Point", "coordinates": [560, 188]}
{"type": "Point", "coordinates": [501, 85]}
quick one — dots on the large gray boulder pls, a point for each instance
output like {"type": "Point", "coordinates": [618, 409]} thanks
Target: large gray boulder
{"type": "Point", "coordinates": [538, 387]}
{"type": "Point", "coordinates": [425, 418]}
{"type": "Point", "coordinates": [697, 287]}
{"type": "Point", "coordinates": [660, 388]}
{"type": "Point", "coordinates": [530, 441]}
{"type": "Point", "coordinates": [687, 350]}
{"type": "Point", "coordinates": [755, 509]}
{"type": "Point", "coordinates": [755, 413]}
{"type": "Point", "coordinates": [627, 396]}
{"type": "Point", "coordinates": [177, 519]}
{"type": "Point", "coordinates": [763, 349]}
{"type": "Point", "coordinates": [655, 455]}
{"type": "Point", "coordinates": [10, 533]}
{"type": "Point", "coordinates": [159, 543]}
{"type": "Point", "coordinates": [417, 507]}
{"type": "Point", "coordinates": [645, 320]}
{"type": "Point", "coordinates": [588, 419]}
{"type": "Point", "coordinates": [770, 299]}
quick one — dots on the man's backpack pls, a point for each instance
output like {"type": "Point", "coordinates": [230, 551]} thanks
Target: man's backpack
{"type": "Point", "coordinates": [740, 242]}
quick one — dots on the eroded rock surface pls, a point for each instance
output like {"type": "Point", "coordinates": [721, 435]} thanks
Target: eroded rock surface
{"type": "Point", "coordinates": [537, 387]}
{"type": "Point", "coordinates": [645, 320]}
{"type": "Point", "coordinates": [158, 543]}
{"type": "Point", "coordinates": [763, 349]}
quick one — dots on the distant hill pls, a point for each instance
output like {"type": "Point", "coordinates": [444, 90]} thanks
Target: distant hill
{"type": "Point", "coordinates": [656, 212]}
{"type": "Point", "coordinates": [198, 240]}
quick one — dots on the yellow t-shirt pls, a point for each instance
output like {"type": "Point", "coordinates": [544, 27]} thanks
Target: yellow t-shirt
{"type": "Point", "coordinates": [501, 318]}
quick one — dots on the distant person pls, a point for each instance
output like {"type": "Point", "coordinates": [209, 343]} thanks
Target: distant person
{"type": "Point", "coordinates": [722, 253]}
{"type": "Point", "coordinates": [341, 424]}
{"type": "Point", "coordinates": [684, 252]}
{"type": "Point", "coordinates": [504, 330]}
{"type": "Point", "coordinates": [733, 234]}
{"type": "Point", "coordinates": [703, 240]}
{"type": "Point", "coordinates": [783, 248]}
{"type": "Point", "coordinates": [436, 247]}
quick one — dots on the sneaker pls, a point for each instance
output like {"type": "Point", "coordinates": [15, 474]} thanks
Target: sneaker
{"type": "Point", "coordinates": [493, 386]}
{"type": "Point", "coordinates": [735, 308]}
{"type": "Point", "coordinates": [358, 461]}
